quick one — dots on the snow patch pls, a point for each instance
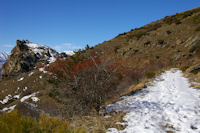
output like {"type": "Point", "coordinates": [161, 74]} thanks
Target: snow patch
{"type": "Point", "coordinates": [35, 99]}
{"type": "Point", "coordinates": [16, 96]}
{"type": "Point", "coordinates": [30, 74]}
{"type": "Point", "coordinates": [22, 78]}
{"type": "Point", "coordinates": [3, 56]}
{"type": "Point", "coordinates": [25, 89]}
{"type": "Point", "coordinates": [107, 116]}
{"type": "Point", "coordinates": [171, 105]}
{"type": "Point", "coordinates": [42, 70]}
{"type": "Point", "coordinates": [27, 97]}
{"type": "Point", "coordinates": [9, 109]}
{"type": "Point", "coordinates": [6, 99]}
{"type": "Point", "coordinates": [42, 50]}
{"type": "Point", "coordinates": [68, 52]}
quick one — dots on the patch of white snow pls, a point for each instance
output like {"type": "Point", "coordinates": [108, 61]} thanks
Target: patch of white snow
{"type": "Point", "coordinates": [30, 74]}
{"type": "Point", "coordinates": [6, 99]}
{"type": "Point", "coordinates": [16, 96]}
{"type": "Point", "coordinates": [68, 52]}
{"type": "Point", "coordinates": [42, 70]}
{"type": "Point", "coordinates": [22, 78]}
{"type": "Point", "coordinates": [27, 97]}
{"type": "Point", "coordinates": [170, 105]}
{"type": "Point", "coordinates": [35, 99]}
{"type": "Point", "coordinates": [9, 109]}
{"type": "Point", "coordinates": [25, 89]}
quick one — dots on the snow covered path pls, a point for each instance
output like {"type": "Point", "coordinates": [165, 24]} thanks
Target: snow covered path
{"type": "Point", "coordinates": [169, 106]}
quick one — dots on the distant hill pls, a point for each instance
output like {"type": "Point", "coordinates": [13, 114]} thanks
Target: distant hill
{"type": "Point", "coordinates": [3, 56]}
{"type": "Point", "coordinates": [68, 52]}
{"type": "Point", "coordinates": [3, 59]}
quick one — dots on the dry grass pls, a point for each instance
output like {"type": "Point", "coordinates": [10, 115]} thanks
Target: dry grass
{"type": "Point", "coordinates": [137, 87]}
{"type": "Point", "coordinates": [95, 123]}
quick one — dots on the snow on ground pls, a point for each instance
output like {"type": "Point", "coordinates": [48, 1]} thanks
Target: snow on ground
{"type": "Point", "coordinates": [9, 109]}
{"type": "Point", "coordinates": [69, 52]}
{"type": "Point", "coordinates": [41, 50]}
{"type": "Point", "coordinates": [170, 105]}
{"type": "Point", "coordinates": [29, 96]}
{"type": "Point", "coordinates": [22, 78]}
{"type": "Point", "coordinates": [16, 96]}
{"type": "Point", "coordinates": [9, 97]}
{"type": "Point", "coordinates": [3, 56]}
{"type": "Point", "coordinates": [25, 88]}
{"type": "Point", "coordinates": [6, 99]}
{"type": "Point", "coordinates": [42, 70]}
{"type": "Point", "coordinates": [35, 99]}
{"type": "Point", "coordinates": [30, 74]}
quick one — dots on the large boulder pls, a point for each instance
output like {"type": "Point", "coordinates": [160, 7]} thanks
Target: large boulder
{"type": "Point", "coordinates": [25, 56]}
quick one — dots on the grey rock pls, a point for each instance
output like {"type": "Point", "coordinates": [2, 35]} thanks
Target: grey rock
{"type": "Point", "coordinates": [24, 58]}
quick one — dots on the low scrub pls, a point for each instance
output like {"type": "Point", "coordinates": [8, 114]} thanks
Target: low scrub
{"type": "Point", "coordinates": [150, 74]}
{"type": "Point", "coordinates": [184, 68]}
{"type": "Point", "coordinates": [14, 123]}
{"type": "Point", "coordinates": [198, 28]}
{"type": "Point", "coordinates": [196, 19]}
{"type": "Point", "coordinates": [85, 82]}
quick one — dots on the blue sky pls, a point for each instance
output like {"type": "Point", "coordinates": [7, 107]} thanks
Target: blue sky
{"type": "Point", "coordinates": [71, 24]}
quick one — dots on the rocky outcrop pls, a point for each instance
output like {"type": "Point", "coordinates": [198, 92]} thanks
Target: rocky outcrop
{"type": "Point", "coordinates": [25, 56]}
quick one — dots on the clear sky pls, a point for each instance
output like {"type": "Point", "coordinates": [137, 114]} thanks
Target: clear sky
{"type": "Point", "coordinates": [71, 24]}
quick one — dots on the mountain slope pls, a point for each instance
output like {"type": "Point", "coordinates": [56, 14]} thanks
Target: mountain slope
{"type": "Point", "coordinates": [26, 56]}
{"type": "Point", "coordinates": [173, 40]}
{"type": "Point", "coordinates": [3, 59]}
{"type": "Point", "coordinates": [82, 83]}
{"type": "Point", "coordinates": [3, 56]}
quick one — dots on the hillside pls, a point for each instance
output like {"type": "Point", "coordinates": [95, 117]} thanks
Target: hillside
{"type": "Point", "coordinates": [38, 80]}
{"type": "Point", "coordinates": [173, 40]}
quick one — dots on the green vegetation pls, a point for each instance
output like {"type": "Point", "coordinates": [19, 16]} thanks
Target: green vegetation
{"type": "Point", "coordinates": [122, 34]}
{"type": "Point", "coordinates": [180, 16]}
{"type": "Point", "coordinates": [195, 48]}
{"type": "Point", "coordinates": [87, 47]}
{"type": "Point", "coordinates": [184, 68]}
{"type": "Point", "coordinates": [14, 123]}
{"type": "Point", "coordinates": [196, 19]}
{"type": "Point", "coordinates": [198, 28]}
{"type": "Point", "coordinates": [53, 93]}
{"type": "Point", "coordinates": [85, 82]}
{"type": "Point", "coordinates": [154, 27]}
{"type": "Point", "coordinates": [139, 34]}
{"type": "Point", "coordinates": [172, 19]}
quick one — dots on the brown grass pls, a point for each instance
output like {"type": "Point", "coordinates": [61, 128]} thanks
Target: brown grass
{"type": "Point", "coordinates": [96, 123]}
